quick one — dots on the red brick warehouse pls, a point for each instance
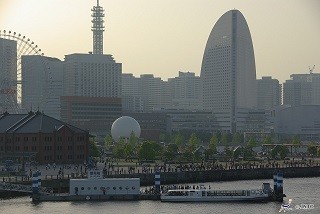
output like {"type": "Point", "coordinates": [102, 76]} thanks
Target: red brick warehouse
{"type": "Point", "coordinates": [38, 137]}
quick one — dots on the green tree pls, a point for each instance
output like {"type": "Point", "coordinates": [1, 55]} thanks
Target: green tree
{"type": "Point", "coordinates": [218, 134]}
{"type": "Point", "coordinates": [237, 152]}
{"type": "Point", "coordinates": [237, 138]}
{"type": "Point", "coordinates": [119, 149]}
{"type": "Point", "coordinates": [279, 150]}
{"type": "Point", "coordinates": [107, 142]}
{"type": "Point", "coordinates": [284, 151]}
{"type": "Point", "coordinates": [128, 150]}
{"type": "Point", "coordinates": [179, 140]}
{"type": "Point", "coordinates": [171, 151]}
{"type": "Point", "coordinates": [224, 139]}
{"type": "Point", "coordinates": [252, 143]}
{"type": "Point", "coordinates": [132, 145]}
{"type": "Point", "coordinates": [93, 149]}
{"type": "Point", "coordinates": [164, 137]}
{"type": "Point", "coordinates": [213, 144]}
{"type": "Point", "coordinates": [148, 151]}
{"type": "Point", "coordinates": [229, 152]}
{"type": "Point", "coordinates": [312, 149]}
{"type": "Point", "coordinates": [193, 142]}
{"type": "Point", "coordinates": [248, 153]}
{"type": "Point", "coordinates": [296, 141]}
{"type": "Point", "coordinates": [267, 140]}
{"type": "Point", "coordinates": [134, 140]}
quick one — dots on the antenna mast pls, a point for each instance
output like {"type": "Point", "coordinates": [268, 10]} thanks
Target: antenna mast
{"type": "Point", "coordinates": [97, 28]}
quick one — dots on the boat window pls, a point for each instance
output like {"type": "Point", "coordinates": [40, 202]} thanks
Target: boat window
{"type": "Point", "coordinates": [108, 188]}
{"type": "Point", "coordinates": [114, 188]}
{"type": "Point", "coordinates": [120, 188]}
{"type": "Point", "coordinates": [89, 188]}
{"type": "Point", "coordinates": [82, 188]}
{"type": "Point", "coordinates": [179, 193]}
{"type": "Point", "coordinates": [95, 188]}
{"type": "Point", "coordinates": [133, 188]}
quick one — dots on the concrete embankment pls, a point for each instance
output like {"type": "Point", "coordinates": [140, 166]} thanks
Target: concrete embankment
{"type": "Point", "coordinates": [225, 175]}
{"type": "Point", "coordinates": [62, 185]}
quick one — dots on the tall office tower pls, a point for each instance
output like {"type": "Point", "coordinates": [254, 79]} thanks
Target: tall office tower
{"type": "Point", "coordinates": [92, 75]}
{"type": "Point", "coordinates": [166, 95]}
{"type": "Point", "coordinates": [42, 84]}
{"type": "Point", "coordinates": [97, 28]}
{"type": "Point", "coordinates": [268, 93]}
{"type": "Point", "coordinates": [8, 75]}
{"type": "Point", "coordinates": [145, 93]}
{"type": "Point", "coordinates": [302, 89]}
{"type": "Point", "coordinates": [228, 68]}
{"type": "Point", "coordinates": [186, 91]}
{"type": "Point", "coordinates": [131, 94]}
{"type": "Point", "coordinates": [151, 93]}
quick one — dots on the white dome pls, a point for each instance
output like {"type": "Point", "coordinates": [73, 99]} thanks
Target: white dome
{"type": "Point", "coordinates": [123, 127]}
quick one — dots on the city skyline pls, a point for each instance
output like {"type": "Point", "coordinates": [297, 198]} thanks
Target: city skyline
{"type": "Point", "coordinates": [161, 38]}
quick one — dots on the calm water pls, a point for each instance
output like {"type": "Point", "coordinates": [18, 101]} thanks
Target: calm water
{"type": "Point", "coordinates": [300, 190]}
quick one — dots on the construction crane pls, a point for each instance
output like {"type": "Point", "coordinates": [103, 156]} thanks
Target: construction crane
{"type": "Point", "coordinates": [311, 69]}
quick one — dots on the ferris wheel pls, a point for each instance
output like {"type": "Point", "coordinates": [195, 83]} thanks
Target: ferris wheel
{"type": "Point", "coordinates": [24, 74]}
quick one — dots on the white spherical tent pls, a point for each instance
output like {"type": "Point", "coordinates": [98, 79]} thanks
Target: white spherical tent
{"type": "Point", "coordinates": [123, 127]}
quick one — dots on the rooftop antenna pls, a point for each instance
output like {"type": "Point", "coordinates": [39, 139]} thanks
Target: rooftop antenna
{"type": "Point", "coordinates": [311, 69]}
{"type": "Point", "coordinates": [97, 28]}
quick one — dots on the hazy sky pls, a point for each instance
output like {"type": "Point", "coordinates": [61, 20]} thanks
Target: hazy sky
{"type": "Point", "coordinates": [162, 37]}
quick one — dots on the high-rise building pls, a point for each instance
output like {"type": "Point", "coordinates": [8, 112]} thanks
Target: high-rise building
{"type": "Point", "coordinates": [92, 75]}
{"type": "Point", "coordinates": [186, 91]}
{"type": "Point", "coordinates": [144, 94]}
{"type": "Point", "coordinates": [131, 94]}
{"type": "Point", "coordinates": [228, 68]}
{"type": "Point", "coordinates": [42, 84]}
{"type": "Point", "coordinates": [149, 93]}
{"type": "Point", "coordinates": [302, 89]}
{"type": "Point", "coordinates": [268, 93]}
{"type": "Point", "coordinates": [8, 74]}
{"type": "Point", "coordinates": [302, 121]}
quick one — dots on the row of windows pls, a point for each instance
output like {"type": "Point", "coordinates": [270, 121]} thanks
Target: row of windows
{"type": "Point", "coordinates": [46, 139]}
{"type": "Point", "coordinates": [59, 157]}
{"type": "Point", "coordinates": [108, 188]}
{"type": "Point", "coordinates": [46, 148]}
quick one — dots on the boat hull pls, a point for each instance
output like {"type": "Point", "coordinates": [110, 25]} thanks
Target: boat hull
{"type": "Point", "coordinates": [212, 199]}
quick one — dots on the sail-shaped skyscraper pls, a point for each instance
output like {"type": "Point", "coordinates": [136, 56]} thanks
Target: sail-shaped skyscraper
{"type": "Point", "coordinates": [228, 70]}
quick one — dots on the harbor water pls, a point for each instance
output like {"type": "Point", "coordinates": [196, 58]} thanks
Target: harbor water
{"type": "Point", "coordinates": [304, 192]}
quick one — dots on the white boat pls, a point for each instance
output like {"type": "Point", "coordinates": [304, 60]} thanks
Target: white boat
{"type": "Point", "coordinates": [209, 195]}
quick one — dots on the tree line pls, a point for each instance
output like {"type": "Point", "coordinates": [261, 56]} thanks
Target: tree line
{"type": "Point", "coordinates": [186, 146]}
